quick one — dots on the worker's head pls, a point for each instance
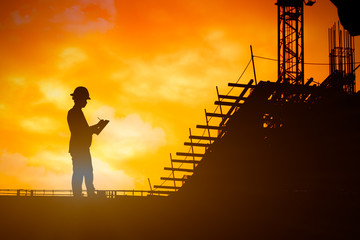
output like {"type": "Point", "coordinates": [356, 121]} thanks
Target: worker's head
{"type": "Point", "coordinates": [80, 96]}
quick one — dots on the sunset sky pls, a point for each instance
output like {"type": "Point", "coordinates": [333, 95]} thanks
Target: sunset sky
{"type": "Point", "coordinates": [151, 68]}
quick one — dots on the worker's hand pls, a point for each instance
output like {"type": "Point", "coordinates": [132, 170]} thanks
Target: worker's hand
{"type": "Point", "coordinates": [95, 128]}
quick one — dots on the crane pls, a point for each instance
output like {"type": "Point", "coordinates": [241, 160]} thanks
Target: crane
{"type": "Point", "coordinates": [291, 40]}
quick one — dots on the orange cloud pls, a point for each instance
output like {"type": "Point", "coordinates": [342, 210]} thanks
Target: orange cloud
{"type": "Point", "coordinates": [126, 137]}
{"type": "Point", "coordinates": [20, 19]}
{"type": "Point", "coordinates": [87, 16]}
{"type": "Point", "coordinates": [39, 124]}
{"type": "Point", "coordinates": [16, 165]}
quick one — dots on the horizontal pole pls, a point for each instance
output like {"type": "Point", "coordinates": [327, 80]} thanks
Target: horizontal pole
{"type": "Point", "coordinates": [240, 85]}
{"type": "Point", "coordinates": [210, 127]}
{"type": "Point", "coordinates": [217, 115]}
{"type": "Point", "coordinates": [196, 144]}
{"type": "Point", "coordinates": [185, 161]}
{"type": "Point", "coordinates": [162, 192]}
{"type": "Point", "coordinates": [190, 154]}
{"type": "Point", "coordinates": [202, 137]}
{"type": "Point", "coordinates": [173, 179]}
{"type": "Point", "coordinates": [166, 187]}
{"type": "Point", "coordinates": [178, 169]}
{"type": "Point", "coordinates": [231, 97]}
{"type": "Point", "coordinates": [236, 104]}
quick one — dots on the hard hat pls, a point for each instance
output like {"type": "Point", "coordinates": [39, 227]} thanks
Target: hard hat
{"type": "Point", "coordinates": [81, 92]}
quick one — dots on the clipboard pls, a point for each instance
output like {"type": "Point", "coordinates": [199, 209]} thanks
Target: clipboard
{"type": "Point", "coordinates": [101, 125]}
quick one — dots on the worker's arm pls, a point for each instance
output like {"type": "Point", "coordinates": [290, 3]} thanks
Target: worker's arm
{"type": "Point", "coordinates": [95, 128]}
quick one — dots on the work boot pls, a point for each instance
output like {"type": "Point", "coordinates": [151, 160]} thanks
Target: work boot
{"type": "Point", "coordinates": [92, 195]}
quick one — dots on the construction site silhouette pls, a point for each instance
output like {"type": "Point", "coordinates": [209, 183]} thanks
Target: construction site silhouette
{"type": "Point", "coordinates": [279, 160]}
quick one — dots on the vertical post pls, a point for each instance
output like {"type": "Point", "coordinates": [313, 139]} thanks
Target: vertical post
{"type": "Point", "coordinates": [329, 39]}
{"type": "Point", "coordinates": [253, 64]}
{"type": "Point", "coordinates": [192, 149]}
{"type": "Point", "coordinates": [335, 46]}
{"type": "Point", "coordinates": [340, 50]}
{"type": "Point", "coordinates": [173, 172]}
{"type": "Point", "coordinates": [217, 91]}
{"type": "Point", "coordinates": [207, 124]}
{"type": "Point", "coordinates": [221, 112]}
{"type": "Point", "coordinates": [353, 68]}
{"type": "Point", "coordinates": [151, 191]}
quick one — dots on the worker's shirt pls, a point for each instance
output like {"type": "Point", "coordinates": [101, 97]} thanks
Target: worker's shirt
{"type": "Point", "coordinates": [81, 135]}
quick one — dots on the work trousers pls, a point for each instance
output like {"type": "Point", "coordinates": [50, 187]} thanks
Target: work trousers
{"type": "Point", "coordinates": [82, 168]}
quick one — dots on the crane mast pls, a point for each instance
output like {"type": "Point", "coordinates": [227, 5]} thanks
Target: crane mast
{"type": "Point", "coordinates": [291, 40]}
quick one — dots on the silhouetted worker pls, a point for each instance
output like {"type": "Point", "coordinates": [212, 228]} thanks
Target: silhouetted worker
{"type": "Point", "coordinates": [80, 141]}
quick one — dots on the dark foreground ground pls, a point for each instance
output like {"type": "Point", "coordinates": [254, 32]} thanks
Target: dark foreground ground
{"type": "Point", "coordinates": [297, 215]}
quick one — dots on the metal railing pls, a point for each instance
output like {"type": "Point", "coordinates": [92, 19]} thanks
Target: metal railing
{"type": "Point", "coordinates": [69, 193]}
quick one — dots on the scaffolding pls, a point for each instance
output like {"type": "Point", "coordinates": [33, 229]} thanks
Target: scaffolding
{"type": "Point", "coordinates": [341, 58]}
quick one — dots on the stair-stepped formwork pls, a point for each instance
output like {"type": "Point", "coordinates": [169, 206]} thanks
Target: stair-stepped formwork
{"type": "Point", "coordinates": [185, 163]}
{"type": "Point", "coordinates": [266, 99]}
{"type": "Point", "coordinates": [271, 137]}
